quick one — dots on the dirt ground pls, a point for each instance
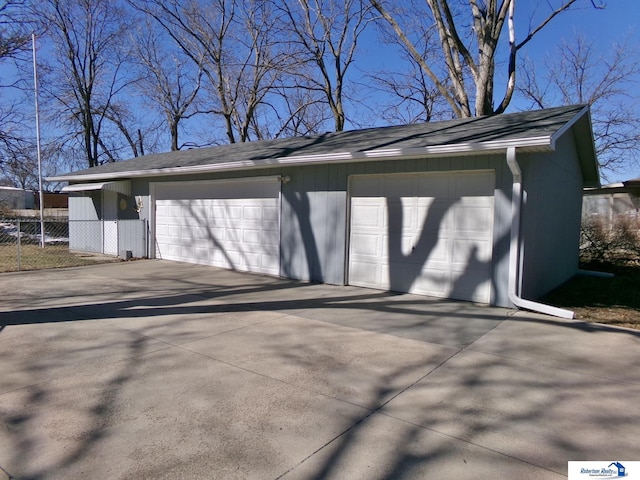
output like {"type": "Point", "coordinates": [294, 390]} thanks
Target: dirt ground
{"type": "Point", "coordinates": [612, 301]}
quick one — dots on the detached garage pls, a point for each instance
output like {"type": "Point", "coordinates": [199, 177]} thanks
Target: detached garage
{"type": "Point", "coordinates": [483, 209]}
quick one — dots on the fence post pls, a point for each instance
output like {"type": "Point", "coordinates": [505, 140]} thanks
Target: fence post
{"type": "Point", "coordinates": [145, 238]}
{"type": "Point", "coordinates": [19, 244]}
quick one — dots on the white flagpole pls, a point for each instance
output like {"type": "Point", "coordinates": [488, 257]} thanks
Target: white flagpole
{"type": "Point", "coordinates": [35, 82]}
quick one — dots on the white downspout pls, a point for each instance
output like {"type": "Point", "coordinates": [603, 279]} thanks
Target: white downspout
{"type": "Point", "coordinates": [514, 249]}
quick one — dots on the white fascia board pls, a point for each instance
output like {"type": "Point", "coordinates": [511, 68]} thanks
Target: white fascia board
{"type": "Point", "coordinates": [339, 157]}
{"type": "Point", "coordinates": [82, 187]}
{"type": "Point", "coordinates": [123, 187]}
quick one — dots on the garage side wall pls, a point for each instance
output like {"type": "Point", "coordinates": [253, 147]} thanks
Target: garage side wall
{"type": "Point", "coordinates": [550, 229]}
{"type": "Point", "coordinates": [85, 206]}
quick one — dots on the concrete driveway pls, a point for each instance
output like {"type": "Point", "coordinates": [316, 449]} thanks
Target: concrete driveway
{"type": "Point", "coordinates": [154, 369]}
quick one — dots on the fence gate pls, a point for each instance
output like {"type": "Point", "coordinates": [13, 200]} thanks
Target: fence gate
{"type": "Point", "coordinates": [109, 237]}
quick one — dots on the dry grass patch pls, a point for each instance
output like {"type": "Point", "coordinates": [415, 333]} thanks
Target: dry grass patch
{"type": "Point", "coordinates": [33, 257]}
{"type": "Point", "coordinates": [612, 301]}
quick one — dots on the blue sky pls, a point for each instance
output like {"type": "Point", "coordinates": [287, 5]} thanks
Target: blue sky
{"type": "Point", "coordinates": [619, 21]}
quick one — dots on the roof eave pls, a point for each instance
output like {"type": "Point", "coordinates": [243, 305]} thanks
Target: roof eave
{"type": "Point", "coordinates": [544, 142]}
{"type": "Point", "coordinates": [583, 134]}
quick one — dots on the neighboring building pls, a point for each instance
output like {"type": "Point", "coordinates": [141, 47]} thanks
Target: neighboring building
{"type": "Point", "coordinates": [53, 200]}
{"type": "Point", "coordinates": [13, 198]}
{"type": "Point", "coordinates": [610, 201]}
{"type": "Point", "coordinates": [482, 209]}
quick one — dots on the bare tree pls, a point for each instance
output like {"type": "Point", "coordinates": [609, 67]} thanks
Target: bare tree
{"type": "Point", "coordinates": [298, 111]}
{"type": "Point", "coordinates": [14, 146]}
{"type": "Point", "coordinates": [326, 33]}
{"type": "Point", "coordinates": [85, 71]}
{"type": "Point", "coordinates": [473, 59]}
{"type": "Point", "coordinates": [15, 38]}
{"type": "Point", "coordinates": [166, 81]}
{"type": "Point", "coordinates": [238, 48]}
{"type": "Point", "coordinates": [409, 94]}
{"type": "Point", "coordinates": [20, 167]}
{"type": "Point", "coordinates": [576, 73]}
{"type": "Point", "coordinates": [15, 28]}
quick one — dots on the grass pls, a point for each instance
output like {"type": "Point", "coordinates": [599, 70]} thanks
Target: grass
{"type": "Point", "coordinates": [612, 301]}
{"type": "Point", "coordinates": [33, 257]}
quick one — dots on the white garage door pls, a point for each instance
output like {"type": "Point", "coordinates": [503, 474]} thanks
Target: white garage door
{"type": "Point", "coordinates": [429, 234]}
{"type": "Point", "coordinates": [230, 224]}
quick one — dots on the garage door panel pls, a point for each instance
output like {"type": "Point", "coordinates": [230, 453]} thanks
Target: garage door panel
{"type": "Point", "coordinates": [252, 259]}
{"type": "Point", "coordinates": [270, 251]}
{"type": "Point", "coordinates": [472, 219]}
{"type": "Point", "coordinates": [173, 211]}
{"type": "Point", "coordinates": [170, 251]}
{"type": "Point", "coordinates": [201, 235]}
{"type": "Point", "coordinates": [251, 236]}
{"type": "Point", "coordinates": [367, 213]}
{"type": "Point", "coordinates": [442, 237]}
{"type": "Point", "coordinates": [440, 252]}
{"type": "Point", "coordinates": [187, 251]}
{"type": "Point", "coordinates": [233, 224]}
{"type": "Point", "coordinates": [202, 254]}
{"type": "Point", "coordinates": [252, 213]}
{"type": "Point", "coordinates": [470, 251]}
{"type": "Point", "coordinates": [269, 212]}
{"type": "Point", "coordinates": [174, 231]}
{"type": "Point", "coordinates": [365, 244]}
{"type": "Point", "coordinates": [218, 212]}
{"type": "Point", "coordinates": [366, 273]}
{"type": "Point", "coordinates": [401, 250]}
{"type": "Point", "coordinates": [433, 283]}
{"type": "Point", "coordinates": [270, 241]}
{"type": "Point", "coordinates": [234, 212]}
{"type": "Point", "coordinates": [399, 212]}
{"type": "Point", "coordinates": [435, 214]}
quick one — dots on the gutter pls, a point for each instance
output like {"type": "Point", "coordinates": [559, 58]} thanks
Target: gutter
{"type": "Point", "coordinates": [514, 249]}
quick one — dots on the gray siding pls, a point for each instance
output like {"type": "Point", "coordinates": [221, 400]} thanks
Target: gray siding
{"type": "Point", "coordinates": [314, 215]}
{"type": "Point", "coordinates": [501, 234]}
{"type": "Point", "coordinates": [85, 206]}
{"type": "Point", "coordinates": [313, 228]}
{"type": "Point", "coordinates": [550, 229]}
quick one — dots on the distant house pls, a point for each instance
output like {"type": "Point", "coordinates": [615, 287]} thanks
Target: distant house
{"type": "Point", "coordinates": [482, 209]}
{"type": "Point", "coordinates": [13, 198]}
{"type": "Point", "coordinates": [53, 200]}
{"type": "Point", "coordinates": [610, 201]}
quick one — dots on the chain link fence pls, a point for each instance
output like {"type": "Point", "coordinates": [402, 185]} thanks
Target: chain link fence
{"type": "Point", "coordinates": [67, 243]}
